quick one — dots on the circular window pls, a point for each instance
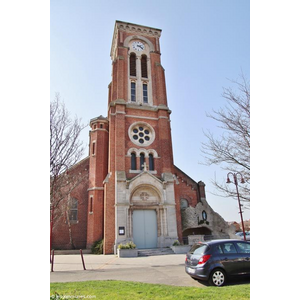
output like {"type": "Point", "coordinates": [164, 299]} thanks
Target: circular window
{"type": "Point", "coordinates": [141, 134]}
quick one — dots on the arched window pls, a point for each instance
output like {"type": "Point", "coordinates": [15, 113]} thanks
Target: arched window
{"type": "Point", "coordinates": [151, 162]}
{"type": "Point", "coordinates": [144, 66]}
{"type": "Point", "coordinates": [142, 161]}
{"type": "Point", "coordinates": [73, 213]}
{"type": "Point", "coordinates": [132, 64]}
{"type": "Point", "coordinates": [133, 161]}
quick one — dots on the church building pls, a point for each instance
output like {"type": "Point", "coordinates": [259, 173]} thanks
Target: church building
{"type": "Point", "coordinates": [134, 192]}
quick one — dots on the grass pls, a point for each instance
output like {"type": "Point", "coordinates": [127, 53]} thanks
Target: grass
{"type": "Point", "coordinates": [113, 289]}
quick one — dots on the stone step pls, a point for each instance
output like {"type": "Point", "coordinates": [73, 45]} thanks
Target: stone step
{"type": "Point", "coordinates": [155, 252]}
{"type": "Point", "coordinates": [70, 252]}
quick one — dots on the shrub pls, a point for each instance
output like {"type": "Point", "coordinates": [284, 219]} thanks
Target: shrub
{"type": "Point", "coordinates": [129, 245]}
{"type": "Point", "coordinates": [176, 243]}
{"type": "Point", "coordinates": [97, 247]}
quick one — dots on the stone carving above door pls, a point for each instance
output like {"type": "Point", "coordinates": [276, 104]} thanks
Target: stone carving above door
{"type": "Point", "coordinates": [145, 195]}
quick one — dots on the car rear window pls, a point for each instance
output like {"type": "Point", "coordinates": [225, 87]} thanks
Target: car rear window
{"type": "Point", "coordinates": [198, 249]}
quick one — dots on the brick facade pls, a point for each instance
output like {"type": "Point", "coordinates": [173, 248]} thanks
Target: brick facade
{"type": "Point", "coordinates": [114, 190]}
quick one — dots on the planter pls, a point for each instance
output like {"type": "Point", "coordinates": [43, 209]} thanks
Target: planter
{"type": "Point", "coordinates": [127, 252]}
{"type": "Point", "coordinates": [182, 249]}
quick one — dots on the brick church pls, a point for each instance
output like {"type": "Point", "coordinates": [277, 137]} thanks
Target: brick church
{"type": "Point", "coordinates": [134, 192]}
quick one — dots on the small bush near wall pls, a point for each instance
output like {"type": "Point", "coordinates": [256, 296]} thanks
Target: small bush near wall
{"type": "Point", "coordinates": [97, 247]}
{"type": "Point", "coordinates": [176, 243]}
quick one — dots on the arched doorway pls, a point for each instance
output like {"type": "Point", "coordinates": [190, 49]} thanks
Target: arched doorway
{"type": "Point", "coordinates": [145, 216]}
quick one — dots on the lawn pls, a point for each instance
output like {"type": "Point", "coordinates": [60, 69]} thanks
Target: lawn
{"type": "Point", "coordinates": [112, 289]}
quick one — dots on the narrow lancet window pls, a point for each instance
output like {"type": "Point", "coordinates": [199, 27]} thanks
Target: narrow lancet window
{"type": "Point", "coordinates": [132, 64]}
{"type": "Point", "coordinates": [142, 161]}
{"type": "Point", "coordinates": [91, 204]}
{"type": "Point", "coordinates": [151, 162]}
{"type": "Point", "coordinates": [145, 93]}
{"type": "Point", "coordinates": [144, 66]}
{"type": "Point", "coordinates": [133, 91]}
{"type": "Point", "coordinates": [133, 161]}
{"type": "Point", "coordinates": [73, 210]}
{"type": "Point", "coordinates": [94, 148]}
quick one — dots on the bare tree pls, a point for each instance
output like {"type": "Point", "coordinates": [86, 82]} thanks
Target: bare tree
{"type": "Point", "coordinates": [231, 150]}
{"type": "Point", "coordinates": [66, 150]}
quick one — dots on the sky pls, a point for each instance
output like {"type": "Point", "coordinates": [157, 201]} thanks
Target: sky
{"type": "Point", "coordinates": [205, 45]}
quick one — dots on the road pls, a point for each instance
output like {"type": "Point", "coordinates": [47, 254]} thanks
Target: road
{"type": "Point", "coordinates": [162, 269]}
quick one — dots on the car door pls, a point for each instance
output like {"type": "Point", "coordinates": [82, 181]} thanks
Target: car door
{"type": "Point", "coordinates": [232, 261]}
{"type": "Point", "coordinates": [244, 249]}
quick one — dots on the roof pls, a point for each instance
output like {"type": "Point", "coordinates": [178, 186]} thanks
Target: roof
{"type": "Point", "coordinates": [190, 178]}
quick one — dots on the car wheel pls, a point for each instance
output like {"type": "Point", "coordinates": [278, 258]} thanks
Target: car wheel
{"type": "Point", "coordinates": [217, 277]}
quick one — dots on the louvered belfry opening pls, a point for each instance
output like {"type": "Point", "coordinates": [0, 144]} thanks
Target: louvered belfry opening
{"type": "Point", "coordinates": [144, 66]}
{"type": "Point", "coordinates": [132, 64]}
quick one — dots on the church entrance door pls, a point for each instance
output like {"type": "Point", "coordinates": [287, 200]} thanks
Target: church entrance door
{"type": "Point", "coordinates": [145, 229]}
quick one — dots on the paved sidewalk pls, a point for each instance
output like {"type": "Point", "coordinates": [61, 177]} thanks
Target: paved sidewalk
{"type": "Point", "coordinates": [162, 269]}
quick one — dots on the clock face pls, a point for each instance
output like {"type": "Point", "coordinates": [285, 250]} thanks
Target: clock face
{"type": "Point", "coordinates": [138, 46]}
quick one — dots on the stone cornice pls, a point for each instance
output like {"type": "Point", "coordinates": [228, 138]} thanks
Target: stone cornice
{"type": "Point", "coordinates": [138, 106]}
{"type": "Point", "coordinates": [96, 188]}
{"type": "Point", "coordinates": [150, 108]}
{"type": "Point", "coordinates": [100, 118]}
{"type": "Point", "coordinates": [132, 28]}
{"type": "Point", "coordinates": [136, 28]}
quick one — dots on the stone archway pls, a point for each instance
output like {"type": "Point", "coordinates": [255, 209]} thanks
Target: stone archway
{"type": "Point", "coordinates": [145, 216]}
{"type": "Point", "coordinates": [197, 231]}
{"type": "Point", "coordinates": [145, 192]}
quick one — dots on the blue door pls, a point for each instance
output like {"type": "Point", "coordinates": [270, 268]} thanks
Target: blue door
{"type": "Point", "coordinates": [144, 229]}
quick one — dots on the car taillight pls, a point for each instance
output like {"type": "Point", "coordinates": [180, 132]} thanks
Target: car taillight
{"type": "Point", "coordinates": [204, 259]}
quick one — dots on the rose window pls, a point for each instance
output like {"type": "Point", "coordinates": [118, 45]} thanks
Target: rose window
{"type": "Point", "coordinates": [141, 134]}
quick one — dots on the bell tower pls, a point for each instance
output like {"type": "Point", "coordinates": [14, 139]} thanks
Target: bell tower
{"type": "Point", "coordinates": [138, 85]}
{"type": "Point", "coordinates": [140, 142]}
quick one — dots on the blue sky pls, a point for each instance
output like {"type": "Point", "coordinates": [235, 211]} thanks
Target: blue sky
{"type": "Point", "coordinates": [204, 45]}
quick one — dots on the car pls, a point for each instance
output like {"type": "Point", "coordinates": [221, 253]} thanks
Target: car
{"type": "Point", "coordinates": [240, 235]}
{"type": "Point", "coordinates": [214, 261]}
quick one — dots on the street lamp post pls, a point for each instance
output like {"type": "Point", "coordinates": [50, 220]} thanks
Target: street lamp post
{"type": "Point", "coordinates": [238, 196]}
